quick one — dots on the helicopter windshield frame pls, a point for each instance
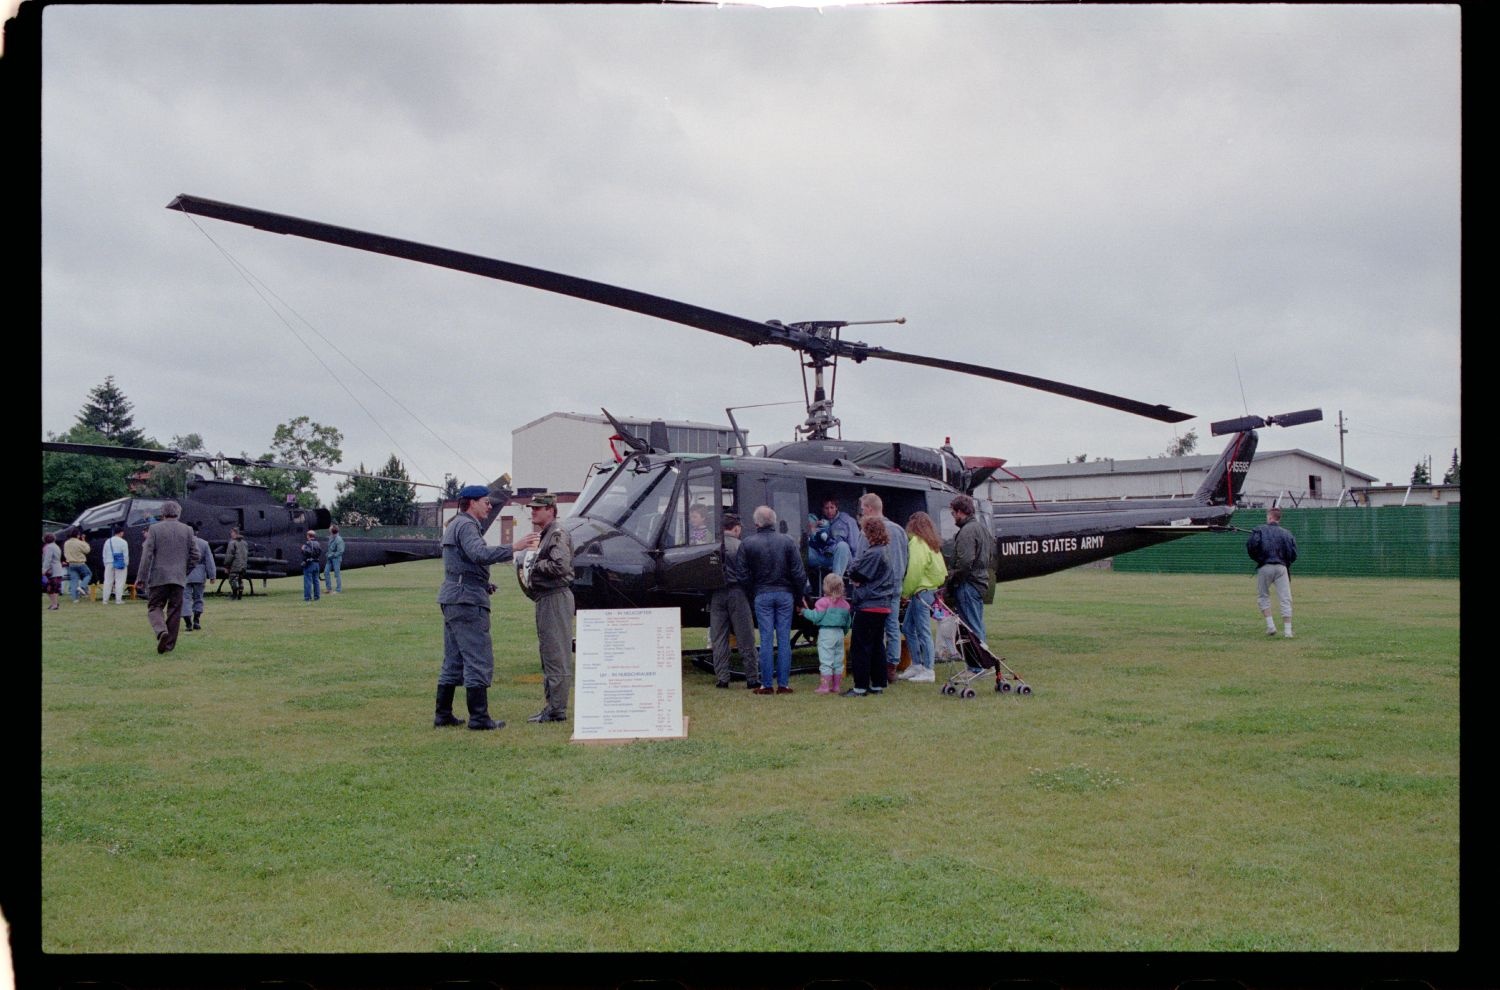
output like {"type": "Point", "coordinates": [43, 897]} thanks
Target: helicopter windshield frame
{"type": "Point", "coordinates": [634, 500]}
{"type": "Point", "coordinates": [102, 515]}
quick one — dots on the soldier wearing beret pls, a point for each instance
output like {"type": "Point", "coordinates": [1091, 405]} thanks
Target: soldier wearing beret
{"type": "Point", "coordinates": [468, 654]}
{"type": "Point", "coordinates": [550, 588]}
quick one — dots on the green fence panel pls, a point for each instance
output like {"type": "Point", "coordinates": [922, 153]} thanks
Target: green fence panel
{"type": "Point", "coordinates": [1390, 541]}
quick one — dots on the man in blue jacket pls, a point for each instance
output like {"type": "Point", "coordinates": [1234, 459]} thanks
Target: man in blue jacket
{"type": "Point", "coordinates": [468, 654]}
{"type": "Point", "coordinates": [1274, 551]}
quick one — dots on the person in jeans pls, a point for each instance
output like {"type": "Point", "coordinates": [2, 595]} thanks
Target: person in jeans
{"type": "Point", "coordinates": [774, 571]}
{"type": "Point", "coordinates": [76, 553]}
{"type": "Point", "coordinates": [333, 562]}
{"type": "Point", "coordinates": [925, 574]}
{"type": "Point", "coordinates": [312, 564]}
{"type": "Point", "coordinates": [973, 550]}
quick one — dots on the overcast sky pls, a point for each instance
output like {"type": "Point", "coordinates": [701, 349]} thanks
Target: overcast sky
{"type": "Point", "coordinates": [1226, 209]}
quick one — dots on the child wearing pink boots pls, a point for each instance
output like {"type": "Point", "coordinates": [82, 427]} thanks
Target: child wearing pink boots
{"type": "Point", "coordinates": [832, 617]}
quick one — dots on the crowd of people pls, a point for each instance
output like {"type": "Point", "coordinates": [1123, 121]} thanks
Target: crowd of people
{"type": "Point", "coordinates": [866, 570]}
{"type": "Point", "coordinates": [863, 571]}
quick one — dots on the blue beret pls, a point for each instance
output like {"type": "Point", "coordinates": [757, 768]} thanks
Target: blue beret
{"type": "Point", "coordinates": [474, 491]}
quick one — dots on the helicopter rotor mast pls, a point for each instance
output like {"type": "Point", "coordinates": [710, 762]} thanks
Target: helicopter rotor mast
{"type": "Point", "coordinates": [818, 341]}
{"type": "Point", "coordinates": [820, 418]}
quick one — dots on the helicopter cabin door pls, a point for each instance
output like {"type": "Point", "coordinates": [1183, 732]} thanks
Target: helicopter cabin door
{"type": "Point", "coordinates": [690, 551]}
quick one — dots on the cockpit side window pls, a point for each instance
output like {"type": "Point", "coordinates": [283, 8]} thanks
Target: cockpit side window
{"type": "Point", "coordinates": [695, 517]}
{"type": "Point", "coordinates": [145, 511]}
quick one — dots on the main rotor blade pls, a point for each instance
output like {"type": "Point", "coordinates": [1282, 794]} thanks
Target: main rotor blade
{"type": "Point", "coordinates": [737, 327]}
{"type": "Point", "coordinates": [123, 453]}
{"type": "Point", "coordinates": [1157, 412]}
{"type": "Point", "coordinates": [173, 456]}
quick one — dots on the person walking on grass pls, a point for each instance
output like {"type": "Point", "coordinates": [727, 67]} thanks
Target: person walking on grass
{"type": "Point", "coordinates": [168, 553]}
{"type": "Point", "coordinates": [52, 569]}
{"type": "Point", "coordinates": [236, 561]}
{"type": "Point", "coordinates": [76, 554]}
{"type": "Point", "coordinates": [116, 554]}
{"type": "Point", "coordinates": [202, 572]}
{"type": "Point", "coordinates": [1274, 551]}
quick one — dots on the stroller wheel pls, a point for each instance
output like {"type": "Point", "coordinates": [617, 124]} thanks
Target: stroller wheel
{"type": "Point", "coordinates": [949, 689]}
{"type": "Point", "coordinates": [967, 693]}
{"type": "Point", "coordinates": [1003, 687]}
{"type": "Point", "coordinates": [1023, 688]}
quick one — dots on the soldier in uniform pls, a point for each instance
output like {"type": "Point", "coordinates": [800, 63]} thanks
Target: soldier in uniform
{"type": "Point", "coordinates": [236, 560]}
{"type": "Point", "coordinates": [551, 577]}
{"type": "Point", "coordinates": [468, 654]}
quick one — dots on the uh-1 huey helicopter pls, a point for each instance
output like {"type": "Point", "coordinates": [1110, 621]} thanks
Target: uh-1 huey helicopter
{"type": "Point", "coordinates": [632, 538]}
{"type": "Point", "coordinates": [216, 504]}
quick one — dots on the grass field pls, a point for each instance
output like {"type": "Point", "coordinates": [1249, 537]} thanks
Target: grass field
{"type": "Point", "coordinates": [1177, 782]}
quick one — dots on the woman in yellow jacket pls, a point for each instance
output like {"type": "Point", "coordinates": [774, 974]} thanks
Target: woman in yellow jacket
{"type": "Point", "coordinates": [925, 573]}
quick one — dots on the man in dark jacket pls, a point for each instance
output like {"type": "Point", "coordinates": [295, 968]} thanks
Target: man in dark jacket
{"type": "Point", "coordinates": [468, 654]}
{"type": "Point", "coordinates": [776, 577]}
{"type": "Point", "coordinates": [1274, 551]}
{"type": "Point", "coordinates": [729, 610]}
{"type": "Point", "coordinates": [312, 564]}
{"type": "Point", "coordinates": [969, 577]}
{"type": "Point", "coordinates": [168, 552]}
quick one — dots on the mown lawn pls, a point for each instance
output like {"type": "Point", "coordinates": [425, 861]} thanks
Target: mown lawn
{"type": "Point", "coordinates": [1177, 782]}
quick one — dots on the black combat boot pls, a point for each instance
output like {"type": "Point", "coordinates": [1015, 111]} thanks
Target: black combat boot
{"type": "Point", "coordinates": [443, 715]}
{"type": "Point", "coordinates": [198, 621]}
{"type": "Point", "coordinates": [479, 709]}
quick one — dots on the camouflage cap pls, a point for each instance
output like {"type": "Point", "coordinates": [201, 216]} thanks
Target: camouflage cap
{"type": "Point", "coordinates": [545, 500]}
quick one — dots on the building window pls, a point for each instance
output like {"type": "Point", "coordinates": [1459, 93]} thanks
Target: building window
{"type": "Point", "coordinates": [1314, 486]}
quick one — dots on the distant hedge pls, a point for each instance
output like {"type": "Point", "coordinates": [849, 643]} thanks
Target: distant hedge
{"type": "Point", "coordinates": [1390, 541]}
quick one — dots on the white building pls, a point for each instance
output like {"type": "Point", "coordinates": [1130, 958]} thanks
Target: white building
{"type": "Point", "coordinates": [1294, 477]}
{"type": "Point", "coordinates": [554, 453]}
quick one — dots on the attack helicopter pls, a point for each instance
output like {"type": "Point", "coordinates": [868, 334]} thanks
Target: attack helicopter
{"type": "Point", "coordinates": [215, 504]}
{"type": "Point", "coordinates": [630, 527]}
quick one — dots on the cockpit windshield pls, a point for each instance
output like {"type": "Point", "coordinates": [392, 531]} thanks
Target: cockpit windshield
{"type": "Point", "coordinates": [103, 515]}
{"type": "Point", "coordinates": [631, 498]}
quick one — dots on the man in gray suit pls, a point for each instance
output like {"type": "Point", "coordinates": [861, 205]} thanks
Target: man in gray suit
{"type": "Point", "coordinates": [168, 552]}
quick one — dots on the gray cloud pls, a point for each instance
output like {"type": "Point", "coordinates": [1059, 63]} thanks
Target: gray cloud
{"type": "Point", "coordinates": [1129, 198]}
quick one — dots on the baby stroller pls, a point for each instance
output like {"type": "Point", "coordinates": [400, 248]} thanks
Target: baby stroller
{"type": "Point", "coordinates": [978, 658]}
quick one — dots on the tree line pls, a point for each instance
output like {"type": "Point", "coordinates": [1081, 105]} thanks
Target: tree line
{"type": "Point", "coordinates": [72, 483]}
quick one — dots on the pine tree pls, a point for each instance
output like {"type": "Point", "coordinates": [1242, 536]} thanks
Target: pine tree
{"type": "Point", "coordinates": [1450, 477]}
{"type": "Point", "coordinates": [108, 413]}
{"type": "Point", "coordinates": [1419, 474]}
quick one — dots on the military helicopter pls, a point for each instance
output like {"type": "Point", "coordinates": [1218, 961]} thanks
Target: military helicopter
{"type": "Point", "coordinates": [215, 504]}
{"type": "Point", "coordinates": [631, 529]}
